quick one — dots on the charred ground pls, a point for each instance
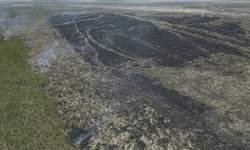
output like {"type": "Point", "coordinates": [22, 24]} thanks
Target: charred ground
{"type": "Point", "coordinates": [141, 39]}
{"type": "Point", "coordinates": [124, 51]}
{"type": "Point", "coordinates": [158, 78]}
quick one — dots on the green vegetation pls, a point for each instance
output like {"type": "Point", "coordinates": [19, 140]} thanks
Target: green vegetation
{"type": "Point", "coordinates": [162, 14]}
{"type": "Point", "coordinates": [216, 22]}
{"type": "Point", "coordinates": [12, 13]}
{"type": "Point", "coordinates": [164, 74]}
{"type": "Point", "coordinates": [29, 119]}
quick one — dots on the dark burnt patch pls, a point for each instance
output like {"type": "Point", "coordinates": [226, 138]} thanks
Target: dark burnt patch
{"type": "Point", "coordinates": [197, 19]}
{"type": "Point", "coordinates": [211, 47]}
{"type": "Point", "coordinates": [118, 73]}
{"type": "Point", "coordinates": [108, 58]}
{"type": "Point", "coordinates": [76, 135]}
{"type": "Point", "coordinates": [60, 19]}
{"type": "Point", "coordinates": [172, 96]}
{"type": "Point", "coordinates": [140, 39]}
{"type": "Point", "coordinates": [197, 22]}
{"type": "Point", "coordinates": [84, 17]}
{"type": "Point", "coordinates": [185, 114]}
{"type": "Point", "coordinates": [115, 40]}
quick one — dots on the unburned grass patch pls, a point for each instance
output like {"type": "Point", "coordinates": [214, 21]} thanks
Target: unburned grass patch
{"type": "Point", "coordinates": [29, 119]}
{"type": "Point", "coordinates": [216, 22]}
{"type": "Point", "coordinates": [163, 14]}
{"type": "Point", "coordinates": [12, 13]}
{"type": "Point", "coordinates": [77, 102]}
{"type": "Point", "coordinates": [165, 75]}
{"type": "Point", "coordinates": [246, 26]}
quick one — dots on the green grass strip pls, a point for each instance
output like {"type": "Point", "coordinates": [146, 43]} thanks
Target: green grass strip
{"type": "Point", "coordinates": [28, 118]}
{"type": "Point", "coordinates": [216, 22]}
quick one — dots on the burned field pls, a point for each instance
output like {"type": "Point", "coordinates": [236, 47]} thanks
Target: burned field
{"type": "Point", "coordinates": [118, 39]}
{"type": "Point", "coordinates": [135, 79]}
{"type": "Point", "coordinates": [153, 82]}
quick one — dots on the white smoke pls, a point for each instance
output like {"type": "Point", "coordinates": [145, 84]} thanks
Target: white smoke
{"type": "Point", "coordinates": [202, 15]}
{"type": "Point", "coordinates": [84, 137]}
{"type": "Point", "coordinates": [48, 53]}
{"type": "Point", "coordinates": [8, 35]}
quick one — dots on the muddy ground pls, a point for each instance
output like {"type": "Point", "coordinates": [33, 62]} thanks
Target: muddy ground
{"type": "Point", "coordinates": [140, 79]}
